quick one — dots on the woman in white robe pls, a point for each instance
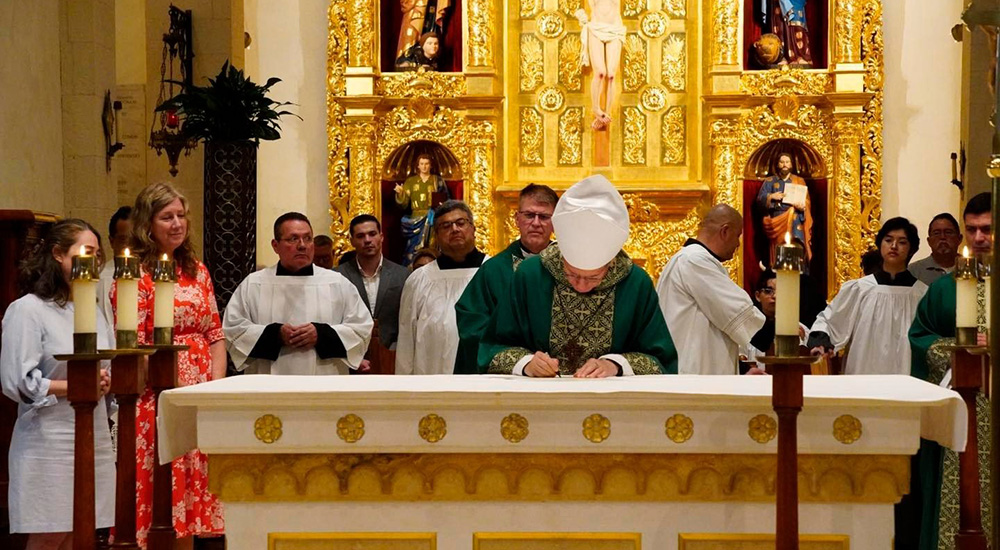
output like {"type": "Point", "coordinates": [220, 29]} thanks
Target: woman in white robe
{"type": "Point", "coordinates": [871, 316]}
{"type": "Point", "coordinates": [35, 328]}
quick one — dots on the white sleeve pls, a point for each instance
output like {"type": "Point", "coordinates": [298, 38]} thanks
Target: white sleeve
{"type": "Point", "coordinates": [406, 341]}
{"type": "Point", "coordinates": [20, 356]}
{"type": "Point", "coordinates": [238, 325]}
{"type": "Point", "coordinates": [355, 328]}
{"type": "Point", "coordinates": [838, 319]}
{"type": "Point", "coordinates": [726, 305]}
{"type": "Point", "coordinates": [518, 369]}
{"type": "Point", "coordinates": [619, 359]}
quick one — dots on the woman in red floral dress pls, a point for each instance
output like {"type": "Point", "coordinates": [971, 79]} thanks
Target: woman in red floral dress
{"type": "Point", "coordinates": [160, 226]}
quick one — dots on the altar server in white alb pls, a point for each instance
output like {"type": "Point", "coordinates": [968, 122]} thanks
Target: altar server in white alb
{"type": "Point", "coordinates": [708, 315]}
{"type": "Point", "coordinates": [428, 333]}
{"type": "Point", "coordinates": [872, 315]}
{"type": "Point", "coordinates": [37, 327]}
{"type": "Point", "coordinates": [294, 317]}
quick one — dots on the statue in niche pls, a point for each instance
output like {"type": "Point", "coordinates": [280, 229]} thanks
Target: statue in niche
{"type": "Point", "coordinates": [417, 195]}
{"type": "Point", "coordinates": [784, 201]}
{"type": "Point", "coordinates": [602, 36]}
{"type": "Point", "coordinates": [784, 21]}
{"type": "Point", "coordinates": [422, 55]}
{"type": "Point", "coordinates": [420, 19]}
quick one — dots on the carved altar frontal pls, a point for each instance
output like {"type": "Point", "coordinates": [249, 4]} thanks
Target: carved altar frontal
{"type": "Point", "coordinates": [693, 116]}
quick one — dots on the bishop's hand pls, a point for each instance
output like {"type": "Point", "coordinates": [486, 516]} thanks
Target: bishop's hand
{"type": "Point", "coordinates": [542, 366]}
{"type": "Point", "coordinates": [597, 368]}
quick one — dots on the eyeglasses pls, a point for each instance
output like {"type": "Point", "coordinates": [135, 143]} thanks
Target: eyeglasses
{"type": "Point", "coordinates": [531, 216]}
{"type": "Point", "coordinates": [767, 291]}
{"type": "Point", "coordinates": [460, 223]}
{"type": "Point", "coordinates": [307, 240]}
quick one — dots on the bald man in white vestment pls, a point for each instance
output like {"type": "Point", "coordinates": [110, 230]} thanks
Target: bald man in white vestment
{"type": "Point", "coordinates": [708, 315]}
{"type": "Point", "coordinates": [294, 317]}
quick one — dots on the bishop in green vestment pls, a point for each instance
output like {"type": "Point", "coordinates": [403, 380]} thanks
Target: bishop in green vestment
{"type": "Point", "coordinates": [492, 282]}
{"type": "Point", "coordinates": [927, 518]}
{"type": "Point", "coordinates": [581, 307]}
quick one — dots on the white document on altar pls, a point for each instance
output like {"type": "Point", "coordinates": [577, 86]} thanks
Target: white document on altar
{"type": "Point", "coordinates": [795, 193]}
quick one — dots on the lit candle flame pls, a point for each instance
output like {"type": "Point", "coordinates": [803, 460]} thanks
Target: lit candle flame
{"type": "Point", "coordinates": [127, 253]}
{"type": "Point", "coordinates": [965, 251]}
{"type": "Point", "coordinates": [788, 237]}
{"type": "Point", "coordinates": [165, 258]}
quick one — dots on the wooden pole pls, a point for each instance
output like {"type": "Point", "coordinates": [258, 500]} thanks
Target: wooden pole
{"type": "Point", "coordinates": [162, 373]}
{"type": "Point", "coordinates": [967, 379]}
{"type": "Point", "coordinates": [127, 383]}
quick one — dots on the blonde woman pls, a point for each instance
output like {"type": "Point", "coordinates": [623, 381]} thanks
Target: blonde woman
{"type": "Point", "coordinates": [160, 226]}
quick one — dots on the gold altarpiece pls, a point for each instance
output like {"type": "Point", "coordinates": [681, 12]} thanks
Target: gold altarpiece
{"type": "Point", "coordinates": [687, 122]}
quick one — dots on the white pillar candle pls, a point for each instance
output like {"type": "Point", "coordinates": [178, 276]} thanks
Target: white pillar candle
{"type": "Point", "coordinates": [163, 290]}
{"type": "Point", "coordinates": [786, 296]}
{"type": "Point", "coordinates": [126, 280]}
{"type": "Point", "coordinates": [966, 306]}
{"type": "Point", "coordinates": [84, 287]}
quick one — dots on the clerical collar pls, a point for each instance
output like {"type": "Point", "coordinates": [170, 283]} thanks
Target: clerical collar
{"type": "Point", "coordinates": [304, 272]}
{"type": "Point", "coordinates": [472, 259]}
{"type": "Point", "coordinates": [524, 251]}
{"type": "Point", "coordinates": [701, 244]}
{"type": "Point", "coordinates": [904, 278]}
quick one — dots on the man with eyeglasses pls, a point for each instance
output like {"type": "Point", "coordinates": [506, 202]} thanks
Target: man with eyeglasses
{"type": "Point", "coordinates": [943, 236]}
{"type": "Point", "coordinates": [491, 284]}
{"type": "Point", "coordinates": [709, 314]}
{"type": "Point", "coordinates": [581, 307]}
{"type": "Point", "coordinates": [428, 333]}
{"type": "Point", "coordinates": [293, 318]}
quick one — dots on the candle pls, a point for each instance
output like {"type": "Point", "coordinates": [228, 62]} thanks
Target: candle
{"type": "Point", "coordinates": [965, 299]}
{"type": "Point", "coordinates": [163, 305]}
{"type": "Point", "coordinates": [83, 282]}
{"type": "Point", "coordinates": [127, 281]}
{"type": "Point", "coordinates": [788, 268]}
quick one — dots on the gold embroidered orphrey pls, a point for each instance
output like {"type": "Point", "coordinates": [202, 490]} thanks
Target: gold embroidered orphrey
{"type": "Point", "coordinates": [685, 127]}
{"type": "Point", "coordinates": [267, 428]}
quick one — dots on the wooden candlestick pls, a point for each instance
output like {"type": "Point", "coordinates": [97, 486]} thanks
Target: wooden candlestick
{"type": "Point", "coordinates": [967, 367]}
{"type": "Point", "coordinates": [162, 376]}
{"type": "Point", "coordinates": [127, 384]}
{"type": "Point", "coordinates": [83, 375]}
{"type": "Point", "coordinates": [786, 398]}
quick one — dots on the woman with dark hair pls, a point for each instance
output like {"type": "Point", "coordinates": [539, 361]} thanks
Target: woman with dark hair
{"type": "Point", "coordinates": [872, 315]}
{"type": "Point", "coordinates": [160, 228]}
{"type": "Point", "coordinates": [36, 327]}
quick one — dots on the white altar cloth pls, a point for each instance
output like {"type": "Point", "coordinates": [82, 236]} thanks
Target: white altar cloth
{"type": "Point", "coordinates": [894, 410]}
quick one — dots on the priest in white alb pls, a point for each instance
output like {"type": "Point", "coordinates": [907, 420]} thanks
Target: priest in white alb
{"type": "Point", "coordinates": [709, 316]}
{"type": "Point", "coordinates": [428, 332]}
{"type": "Point", "coordinates": [294, 317]}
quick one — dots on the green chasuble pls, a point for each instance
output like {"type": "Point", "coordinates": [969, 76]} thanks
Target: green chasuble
{"type": "Point", "coordinates": [474, 309]}
{"type": "Point", "coordinates": [927, 518]}
{"type": "Point", "coordinates": [544, 313]}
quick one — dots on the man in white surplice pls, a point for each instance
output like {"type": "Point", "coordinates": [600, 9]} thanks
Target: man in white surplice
{"type": "Point", "coordinates": [708, 315]}
{"type": "Point", "coordinates": [294, 317]}
{"type": "Point", "coordinates": [428, 333]}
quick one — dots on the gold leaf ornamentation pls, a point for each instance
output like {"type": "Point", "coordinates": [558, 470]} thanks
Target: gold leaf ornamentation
{"type": "Point", "coordinates": [848, 31]}
{"type": "Point", "coordinates": [632, 8]}
{"type": "Point", "coordinates": [639, 209]}
{"type": "Point", "coordinates": [725, 25]}
{"type": "Point", "coordinates": [432, 428]}
{"type": "Point", "coordinates": [679, 428]}
{"type": "Point", "coordinates": [871, 147]}
{"type": "Point", "coordinates": [531, 137]}
{"type": "Point", "coordinates": [596, 428]}
{"type": "Point", "coordinates": [635, 62]}
{"type": "Point", "coordinates": [550, 24]}
{"type": "Point", "coordinates": [514, 428]}
{"type": "Point", "coordinates": [569, 62]}
{"type": "Point", "coordinates": [481, 36]}
{"type": "Point", "coordinates": [361, 33]}
{"type": "Point", "coordinates": [653, 98]}
{"type": "Point", "coordinates": [569, 7]}
{"type": "Point", "coordinates": [762, 428]}
{"type": "Point", "coordinates": [673, 68]}
{"type": "Point", "coordinates": [350, 428]}
{"type": "Point", "coordinates": [550, 99]}
{"type": "Point", "coordinates": [847, 429]}
{"type": "Point", "coordinates": [413, 84]}
{"type": "Point", "coordinates": [571, 137]}
{"type": "Point", "coordinates": [529, 8]}
{"type": "Point", "coordinates": [785, 81]}
{"type": "Point", "coordinates": [673, 139]}
{"type": "Point", "coordinates": [267, 428]}
{"type": "Point", "coordinates": [847, 153]}
{"type": "Point", "coordinates": [634, 141]}
{"type": "Point", "coordinates": [675, 8]}
{"type": "Point", "coordinates": [653, 24]}
{"type": "Point", "coordinates": [532, 63]}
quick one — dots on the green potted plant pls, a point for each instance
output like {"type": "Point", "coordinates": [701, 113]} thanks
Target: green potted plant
{"type": "Point", "coordinates": [231, 115]}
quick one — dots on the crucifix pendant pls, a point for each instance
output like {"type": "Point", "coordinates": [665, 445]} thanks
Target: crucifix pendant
{"type": "Point", "coordinates": [573, 352]}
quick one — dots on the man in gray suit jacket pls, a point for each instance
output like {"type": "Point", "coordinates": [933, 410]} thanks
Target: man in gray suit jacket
{"type": "Point", "coordinates": [378, 280]}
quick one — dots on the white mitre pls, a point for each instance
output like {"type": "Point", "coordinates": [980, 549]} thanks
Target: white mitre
{"type": "Point", "coordinates": [591, 223]}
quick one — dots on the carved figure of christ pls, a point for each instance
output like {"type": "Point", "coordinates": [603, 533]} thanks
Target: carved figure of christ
{"type": "Point", "coordinates": [603, 36]}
